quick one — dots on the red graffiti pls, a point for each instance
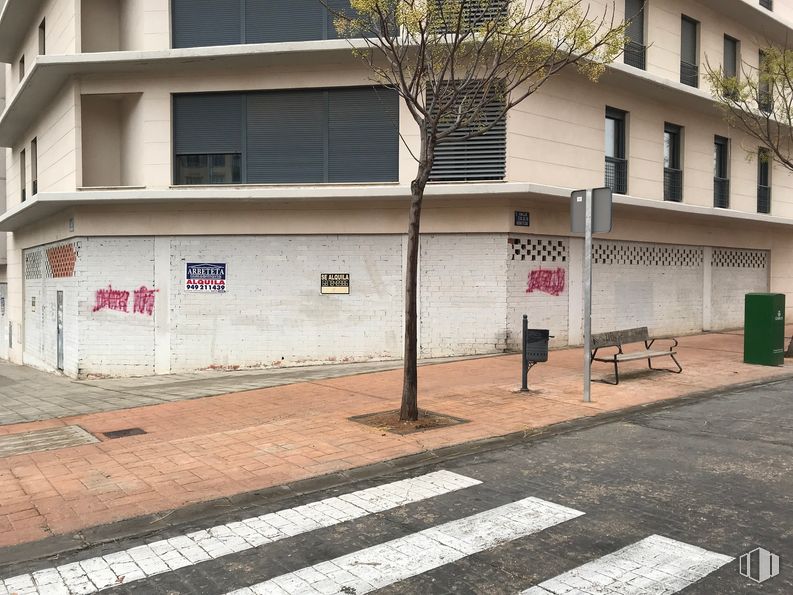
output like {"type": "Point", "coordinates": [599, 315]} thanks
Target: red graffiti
{"type": "Point", "coordinates": [550, 281]}
{"type": "Point", "coordinates": [111, 299]}
{"type": "Point", "coordinates": [144, 301]}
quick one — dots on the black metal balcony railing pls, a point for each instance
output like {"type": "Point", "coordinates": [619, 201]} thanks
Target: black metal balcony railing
{"type": "Point", "coordinates": [617, 175]}
{"type": "Point", "coordinates": [673, 184]}
{"type": "Point", "coordinates": [35, 187]}
{"type": "Point", "coordinates": [721, 193]}
{"type": "Point", "coordinates": [635, 55]}
{"type": "Point", "coordinates": [689, 74]}
{"type": "Point", "coordinates": [764, 199]}
{"type": "Point", "coordinates": [769, 4]}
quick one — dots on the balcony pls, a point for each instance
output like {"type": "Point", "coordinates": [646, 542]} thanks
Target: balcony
{"type": "Point", "coordinates": [673, 184]}
{"type": "Point", "coordinates": [689, 74]}
{"type": "Point", "coordinates": [764, 199]}
{"type": "Point", "coordinates": [721, 193]}
{"type": "Point", "coordinates": [617, 175]}
{"type": "Point", "coordinates": [635, 55]}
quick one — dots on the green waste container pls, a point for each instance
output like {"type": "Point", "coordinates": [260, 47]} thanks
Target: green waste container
{"type": "Point", "coordinates": [764, 329]}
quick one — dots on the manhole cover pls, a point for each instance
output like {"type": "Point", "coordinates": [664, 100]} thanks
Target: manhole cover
{"type": "Point", "coordinates": [124, 433]}
{"type": "Point", "coordinates": [49, 439]}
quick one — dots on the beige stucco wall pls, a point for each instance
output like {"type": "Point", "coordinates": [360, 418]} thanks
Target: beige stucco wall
{"type": "Point", "coordinates": [59, 148]}
{"type": "Point", "coordinates": [62, 37]}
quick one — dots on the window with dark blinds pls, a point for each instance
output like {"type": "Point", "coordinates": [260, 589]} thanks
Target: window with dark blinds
{"type": "Point", "coordinates": [199, 23]}
{"type": "Point", "coordinates": [481, 157]}
{"type": "Point", "coordinates": [730, 56]}
{"type": "Point", "coordinates": [287, 137]}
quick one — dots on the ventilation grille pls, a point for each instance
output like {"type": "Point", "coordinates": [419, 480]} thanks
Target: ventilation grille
{"type": "Point", "coordinates": [482, 157]}
{"type": "Point", "coordinates": [538, 250]}
{"type": "Point", "coordinates": [33, 267]}
{"type": "Point", "coordinates": [620, 253]}
{"type": "Point", "coordinates": [740, 259]}
{"type": "Point", "coordinates": [54, 262]}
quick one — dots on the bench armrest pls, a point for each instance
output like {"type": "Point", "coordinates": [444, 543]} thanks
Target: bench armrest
{"type": "Point", "coordinates": [674, 341]}
{"type": "Point", "coordinates": [609, 355]}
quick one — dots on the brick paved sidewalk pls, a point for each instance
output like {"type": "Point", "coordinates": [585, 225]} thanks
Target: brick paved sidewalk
{"type": "Point", "coordinates": [213, 447]}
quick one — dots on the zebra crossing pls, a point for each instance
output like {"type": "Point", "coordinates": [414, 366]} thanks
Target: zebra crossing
{"type": "Point", "coordinates": [654, 565]}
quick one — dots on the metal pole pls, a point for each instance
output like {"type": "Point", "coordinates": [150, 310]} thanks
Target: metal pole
{"type": "Point", "coordinates": [525, 364]}
{"type": "Point", "coordinates": [588, 299]}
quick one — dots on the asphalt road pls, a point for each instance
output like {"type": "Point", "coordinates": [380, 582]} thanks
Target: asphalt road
{"type": "Point", "coordinates": [657, 502]}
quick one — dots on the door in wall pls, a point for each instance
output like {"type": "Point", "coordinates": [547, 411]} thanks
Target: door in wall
{"type": "Point", "coordinates": [60, 330]}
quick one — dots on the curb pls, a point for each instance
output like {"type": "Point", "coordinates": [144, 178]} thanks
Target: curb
{"type": "Point", "coordinates": [205, 512]}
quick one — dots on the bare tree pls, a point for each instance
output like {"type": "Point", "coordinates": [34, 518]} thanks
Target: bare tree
{"type": "Point", "coordinates": [759, 102]}
{"type": "Point", "coordinates": [460, 66]}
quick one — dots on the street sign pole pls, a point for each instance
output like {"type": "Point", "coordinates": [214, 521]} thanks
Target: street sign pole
{"type": "Point", "coordinates": [588, 299]}
{"type": "Point", "coordinates": [590, 212]}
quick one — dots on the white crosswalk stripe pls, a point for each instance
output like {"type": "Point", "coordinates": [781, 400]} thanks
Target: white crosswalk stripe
{"type": "Point", "coordinates": [653, 566]}
{"type": "Point", "coordinates": [382, 565]}
{"type": "Point", "coordinates": [95, 574]}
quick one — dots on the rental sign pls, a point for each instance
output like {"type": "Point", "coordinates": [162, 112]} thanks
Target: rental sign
{"type": "Point", "coordinates": [206, 277]}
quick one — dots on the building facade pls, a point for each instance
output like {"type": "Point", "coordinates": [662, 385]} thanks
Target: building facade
{"type": "Point", "coordinates": [158, 151]}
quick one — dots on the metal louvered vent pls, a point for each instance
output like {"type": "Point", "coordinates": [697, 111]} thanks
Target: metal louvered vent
{"type": "Point", "coordinates": [475, 14]}
{"type": "Point", "coordinates": [482, 157]}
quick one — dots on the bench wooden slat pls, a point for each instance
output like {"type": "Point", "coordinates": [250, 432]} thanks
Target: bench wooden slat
{"type": "Point", "coordinates": [626, 357]}
{"type": "Point", "coordinates": [622, 337]}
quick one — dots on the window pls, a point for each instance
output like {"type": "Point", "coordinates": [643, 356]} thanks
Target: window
{"type": "Point", "coordinates": [482, 157]}
{"type": "Point", "coordinates": [763, 181]}
{"type": "Point", "coordinates": [635, 50]}
{"type": "Point", "coordinates": [689, 52]}
{"type": "Point", "coordinates": [21, 68]}
{"type": "Point", "coordinates": [474, 14]}
{"type": "Point", "coordinates": [673, 171]}
{"type": "Point", "coordinates": [769, 4]}
{"type": "Point", "coordinates": [765, 97]}
{"type": "Point", "coordinates": [22, 175]}
{"type": "Point", "coordinates": [730, 56]}
{"type": "Point", "coordinates": [198, 23]}
{"type": "Point", "coordinates": [43, 37]}
{"type": "Point", "coordinates": [286, 137]}
{"type": "Point", "coordinates": [616, 164]}
{"type": "Point", "coordinates": [721, 180]}
{"type": "Point", "coordinates": [34, 166]}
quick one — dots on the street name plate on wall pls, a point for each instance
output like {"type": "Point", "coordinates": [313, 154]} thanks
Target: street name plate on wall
{"type": "Point", "coordinates": [522, 218]}
{"type": "Point", "coordinates": [334, 283]}
{"type": "Point", "coordinates": [205, 277]}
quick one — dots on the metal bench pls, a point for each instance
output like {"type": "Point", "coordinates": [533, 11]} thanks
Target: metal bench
{"type": "Point", "coordinates": [625, 337]}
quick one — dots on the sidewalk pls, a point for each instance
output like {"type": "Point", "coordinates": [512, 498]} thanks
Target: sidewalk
{"type": "Point", "coordinates": [202, 449]}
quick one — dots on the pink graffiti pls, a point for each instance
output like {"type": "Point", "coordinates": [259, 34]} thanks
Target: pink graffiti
{"type": "Point", "coordinates": [144, 301]}
{"type": "Point", "coordinates": [111, 299]}
{"type": "Point", "coordinates": [550, 281]}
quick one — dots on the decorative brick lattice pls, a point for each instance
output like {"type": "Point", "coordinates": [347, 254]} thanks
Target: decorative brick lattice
{"type": "Point", "coordinates": [53, 262]}
{"type": "Point", "coordinates": [740, 259]}
{"type": "Point", "coordinates": [61, 260]}
{"type": "Point", "coordinates": [629, 254]}
{"type": "Point", "coordinates": [538, 249]}
{"type": "Point", "coordinates": [33, 268]}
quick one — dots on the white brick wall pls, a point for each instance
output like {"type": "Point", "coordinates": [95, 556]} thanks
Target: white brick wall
{"type": "Point", "coordinates": [463, 304]}
{"type": "Point", "coordinates": [273, 312]}
{"type": "Point", "coordinates": [735, 273]}
{"type": "Point", "coordinates": [114, 342]}
{"type": "Point", "coordinates": [3, 320]}
{"type": "Point", "coordinates": [652, 285]}
{"type": "Point", "coordinates": [538, 283]}
{"type": "Point", "coordinates": [474, 290]}
{"type": "Point", "coordinates": [41, 333]}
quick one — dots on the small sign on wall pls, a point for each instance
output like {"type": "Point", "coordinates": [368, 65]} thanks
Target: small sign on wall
{"type": "Point", "coordinates": [338, 283]}
{"type": "Point", "coordinates": [206, 277]}
{"type": "Point", "coordinates": [522, 218]}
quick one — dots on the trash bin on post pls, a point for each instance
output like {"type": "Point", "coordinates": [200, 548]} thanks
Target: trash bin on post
{"type": "Point", "coordinates": [535, 349]}
{"type": "Point", "coordinates": [764, 329]}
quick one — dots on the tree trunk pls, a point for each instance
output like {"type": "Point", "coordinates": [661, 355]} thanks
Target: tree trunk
{"type": "Point", "coordinates": [410, 408]}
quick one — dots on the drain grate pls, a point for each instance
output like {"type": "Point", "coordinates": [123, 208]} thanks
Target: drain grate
{"type": "Point", "coordinates": [49, 439]}
{"type": "Point", "coordinates": [124, 433]}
